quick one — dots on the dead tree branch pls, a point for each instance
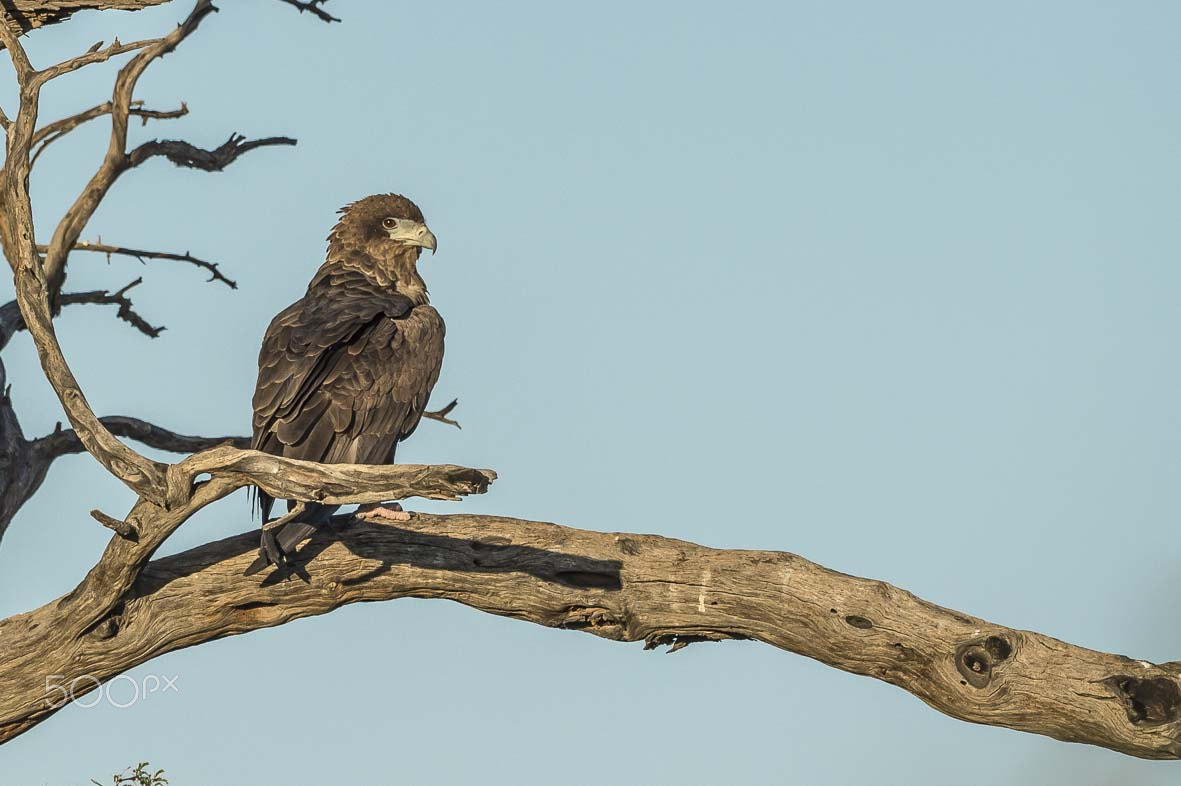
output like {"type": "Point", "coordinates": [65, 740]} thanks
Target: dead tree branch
{"type": "Point", "coordinates": [313, 7]}
{"type": "Point", "coordinates": [25, 463]}
{"type": "Point", "coordinates": [38, 280]}
{"type": "Point", "coordinates": [48, 134]}
{"type": "Point", "coordinates": [119, 298]}
{"type": "Point", "coordinates": [441, 414]}
{"type": "Point", "coordinates": [25, 15]}
{"type": "Point", "coordinates": [65, 441]}
{"type": "Point", "coordinates": [184, 154]}
{"type": "Point", "coordinates": [143, 256]}
{"type": "Point", "coordinates": [620, 587]}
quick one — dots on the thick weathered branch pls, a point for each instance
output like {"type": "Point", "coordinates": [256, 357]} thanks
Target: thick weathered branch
{"type": "Point", "coordinates": [620, 587]}
{"type": "Point", "coordinates": [334, 484]}
{"type": "Point", "coordinates": [230, 469]}
{"type": "Point", "coordinates": [24, 15]}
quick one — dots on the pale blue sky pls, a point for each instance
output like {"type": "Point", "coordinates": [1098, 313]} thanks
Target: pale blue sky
{"type": "Point", "coordinates": [890, 285]}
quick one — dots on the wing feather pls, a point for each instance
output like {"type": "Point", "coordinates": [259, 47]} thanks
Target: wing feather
{"type": "Point", "coordinates": [345, 372]}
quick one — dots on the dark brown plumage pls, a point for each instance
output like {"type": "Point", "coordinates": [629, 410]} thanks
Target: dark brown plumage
{"type": "Point", "coordinates": [345, 372]}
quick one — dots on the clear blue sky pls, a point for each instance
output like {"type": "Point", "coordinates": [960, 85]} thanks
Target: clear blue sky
{"type": "Point", "coordinates": [890, 285]}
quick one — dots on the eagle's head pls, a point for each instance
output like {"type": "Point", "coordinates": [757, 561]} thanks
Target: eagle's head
{"type": "Point", "coordinates": [386, 221]}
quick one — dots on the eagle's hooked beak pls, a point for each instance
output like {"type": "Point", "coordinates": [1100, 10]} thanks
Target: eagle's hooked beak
{"type": "Point", "coordinates": [413, 233]}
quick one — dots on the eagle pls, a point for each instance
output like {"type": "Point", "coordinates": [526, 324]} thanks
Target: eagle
{"type": "Point", "coordinates": [345, 372]}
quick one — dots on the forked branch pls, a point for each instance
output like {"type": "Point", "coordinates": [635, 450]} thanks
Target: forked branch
{"type": "Point", "coordinates": [38, 280]}
{"type": "Point", "coordinates": [48, 134]}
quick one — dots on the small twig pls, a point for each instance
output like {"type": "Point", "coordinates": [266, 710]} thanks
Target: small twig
{"type": "Point", "coordinates": [312, 7]}
{"type": "Point", "coordinates": [117, 298]}
{"type": "Point", "coordinates": [142, 255]}
{"type": "Point", "coordinates": [121, 527]}
{"type": "Point", "coordinates": [145, 115]}
{"type": "Point", "coordinates": [441, 414]}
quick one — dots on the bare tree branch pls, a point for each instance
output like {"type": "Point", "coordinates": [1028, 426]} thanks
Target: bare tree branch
{"type": "Point", "coordinates": [143, 255]}
{"type": "Point", "coordinates": [11, 323]}
{"type": "Point", "coordinates": [65, 441]}
{"type": "Point", "coordinates": [119, 298]}
{"type": "Point", "coordinates": [33, 290]}
{"type": "Point", "coordinates": [184, 154]}
{"type": "Point", "coordinates": [27, 15]}
{"type": "Point", "coordinates": [96, 54]}
{"type": "Point", "coordinates": [54, 131]}
{"type": "Point", "coordinates": [229, 469]}
{"type": "Point", "coordinates": [333, 484]}
{"type": "Point", "coordinates": [117, 160]}
{"type": "Point", "coordinates": [441, 414]}
{"type": "Point", "coordinates": [24, 464]}
{"type": "Point", "coordinates": [313, 7]}
{"type": "Point", "coordinates": [621, 587]}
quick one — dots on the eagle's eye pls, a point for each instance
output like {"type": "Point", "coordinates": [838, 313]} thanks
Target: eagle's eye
{"type": "Point", "coordinates": [389, 223]}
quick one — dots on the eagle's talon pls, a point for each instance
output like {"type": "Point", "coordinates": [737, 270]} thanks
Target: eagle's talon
{"type": "Point", "coordinates": [391, 512]}
{"type": "Point", "coordinates": [269, 548]}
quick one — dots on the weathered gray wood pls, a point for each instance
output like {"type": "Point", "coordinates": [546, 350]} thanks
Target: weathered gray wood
{"type": "Point", "coordinates": [621, 587]}
{"type": "Point", "coordinates": [24, 15]}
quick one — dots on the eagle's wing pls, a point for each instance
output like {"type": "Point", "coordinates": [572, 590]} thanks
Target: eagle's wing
{"type": "Point", "coordinates": [343, 379]}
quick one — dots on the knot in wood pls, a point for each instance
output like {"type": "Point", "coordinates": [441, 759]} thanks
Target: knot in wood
{"type": "Point", "coordinates": [975, 660]}
{"type": "Point", "coordinates": [1148, 702]}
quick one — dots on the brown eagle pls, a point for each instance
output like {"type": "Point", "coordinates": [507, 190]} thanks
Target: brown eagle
{"type": "Point", "coordinates": [345, 372]}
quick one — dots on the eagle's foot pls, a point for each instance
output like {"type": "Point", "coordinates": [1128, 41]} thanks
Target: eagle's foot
{"type": "Point", "coordinates": [269, 553]}
{"type": "Point", "coordinates": [375, 512]}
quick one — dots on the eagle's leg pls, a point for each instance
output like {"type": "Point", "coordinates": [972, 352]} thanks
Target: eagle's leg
{"type": "Point", "coordinates": [277, 549]}
{"type": "Point", "coordinates": [377, 512]}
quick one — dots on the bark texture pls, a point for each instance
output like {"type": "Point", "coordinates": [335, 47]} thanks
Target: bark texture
{"type": "Point", "coordinates": [24, 15]}
{"type": "Point", "coordinates": [621, 587]}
